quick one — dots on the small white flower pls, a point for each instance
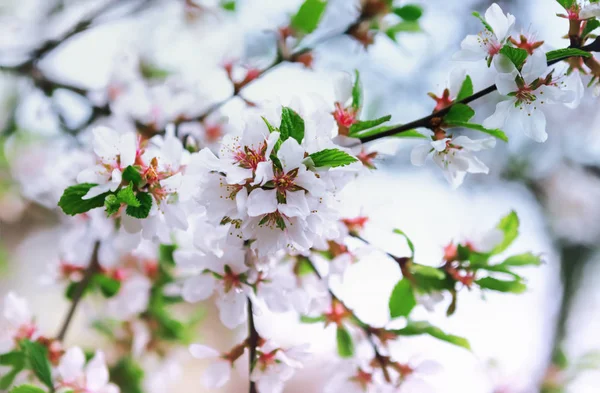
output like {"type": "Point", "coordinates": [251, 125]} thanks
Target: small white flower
{"type": "Point", "coordinates": [488, 43]}
{"type": "Point", "coordinates": [591, 10]}
{"type": "Point", "coordinates": [74, 374]}
{"type": "Point", "coordinates": [17, 322]}
{"type": "Point", "coordinates": [455, 156]}
{"type": "Point", "coordinates": [219, 371]}
{"type": "Point", "coordinates": [528, 92]}
{"type": "Point", "coordinates": [132, 298]}
{"type": "Point", "coordinates": [274, 366]}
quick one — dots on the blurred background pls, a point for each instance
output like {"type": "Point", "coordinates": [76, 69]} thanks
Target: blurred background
{"type": "Point", "coordinates": [543, 339]}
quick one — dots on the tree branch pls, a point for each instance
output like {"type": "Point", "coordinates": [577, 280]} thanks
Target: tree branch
{"type": "Point", "coordinates": [92, 268]}
{"type": "Point", "coordinates": [252, 344]}
{"type": "Point", "coordinates": [436, 117]}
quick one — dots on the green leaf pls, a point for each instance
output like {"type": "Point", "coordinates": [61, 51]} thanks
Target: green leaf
{"type": "Point", "coordinates": [308, 16]}
{"type": "Point", "coordinates": [345, 345]}
{"type": "Point", "coordinates": [516, 55]}
{"type": "Point", "coordinates": [307, 319]}
{"type": "Point", "coordinates": [7, 379]}
{"type": "Point", "coordinates": [509, 225]}
{"type": "Point", "coordinates": [527, 259]}
{"type": "Point", "coordinates": [466, 89]}
{"type": "Point", "coordinates": [37, 357]}
{"type": "Point", "coordinates": [564, 53]}
{"type": "Point", "coordinates": [331, 158]}
{"type": "Point", "coordinates": [590, 26]}
{"type": "Point", "coordinates": [27, 389]}
{"type": "Point", "coordinates": [416, 328]}
{"type": "Point", "coordinates": [406, 26]}
{"type": "Point", "coordinates": [127, 196]}
{"type": "Point", "coordinates": [567, 4]}
{"type": "Point", "coordinates": [410, 12]}
{"type": "Point", "coordinates": [427, 271]}
{"type": "Point", "coordinates": [108, 285]}
{"type": "Point", "coordinates": [494, 284]}
{"type": "Point", "coordinates": [165, 254]}
{"type": "Point", "coordinates": [13, 358]}
{"type": "Point", "coordinates": [228, 5]}
{"type": "Point", "coordinates": [128, 375]}
{"type": "Point", "coordinates": [132, 175]}
{"type": "Point", "coordinates": [402, 300]}
{"type": "Point", "coordinates": [485, 24]}
{"type": "Point", "coordinates": [365, 125]}
{"type": "Point", "coordinates": [150, 71]}
{"type": "Point", "coordinates": [111, 204]}
{"type": "Point", "coordinates": [357, 96]}
{"type": "Point", "coordinates": [459, 113]}
{"type": "Point", "coordinates": [269, 125]}
{"type": "Point", "coordinates": [292, 125]}
{"type": "Point", "coordinates": [71, 201]}
{"type": "Point", "coordinates": [408, 241]}
{"type": "Point", "coordinates": [379, 130]}
{"type": "Point", "coordinates": [493, 132]}
{"type": "Point", "coordinates": [143, 210]}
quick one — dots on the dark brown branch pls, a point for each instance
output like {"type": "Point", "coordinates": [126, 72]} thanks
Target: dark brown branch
{"type": "Point", "coordinates": [253, 339]}
{"type": "Point", "coordinates": [93, 267]}
{"type": "Point", "coordinates": [435, 118]}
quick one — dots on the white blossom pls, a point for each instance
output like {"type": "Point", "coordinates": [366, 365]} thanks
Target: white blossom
{"type": "Point", "coordinates": [17, 322]}
{"type": "Point", "coordinates": [487, 43]}
{"type": "Point", "coordinates": [219, 372]}
{"type": "Point", "coordinates": [454, 156]}
{"type": "Point", "coordinates": [75, 374]}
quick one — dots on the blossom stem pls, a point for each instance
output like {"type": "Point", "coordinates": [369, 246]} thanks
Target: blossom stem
{"type": "Point", "coordinates": [252, 343]}
{"type": "Point", "coordinates": [436, 117]}
{"type": "Point", "coordinates": [93, 267]}
{"type": "Point", "coordinates": [368, 330]}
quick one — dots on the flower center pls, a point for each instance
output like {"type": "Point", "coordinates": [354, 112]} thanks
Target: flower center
{"type": "Point", "coordinates": [345, 117]}
{"type": "Point", "coordinates": [249, 158]}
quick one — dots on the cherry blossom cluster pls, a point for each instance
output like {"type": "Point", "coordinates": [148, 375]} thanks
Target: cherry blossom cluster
{"type": "Point", "coordinates": [168, 203]}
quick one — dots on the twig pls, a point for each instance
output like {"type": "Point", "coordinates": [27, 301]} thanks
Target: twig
{"type": "Point", "coordinates": [252, 344]}
{"type": "Point", "coordinates": [436, 117]}
{"type": "Point", "coordinates": [93, 267]}
{"type": "Point", "coordinates": [367, 329]}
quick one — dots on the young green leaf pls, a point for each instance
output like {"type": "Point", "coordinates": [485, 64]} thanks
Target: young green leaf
{"type": "Point", "coordinates": [308, 16]}
{"type": "Point", "coordinates": [590, 26]}
{"type": "Point", "coordinates": [402, 300]}
{"type": "Point", "coordinates": [483, 21]}
{"type": "Point", "coordinates": [108, 286]}
{"type": "Point", "coordinates": [16, 360]}
{"type": "Point", "coordinates": [564, 53]}
{"type": "Point", "coordinates": [307, 319]}
{"type": "Point", "coordinates": [13, 358]}
{"type": "Point", "coordinates": [494, 284]}
{"type": "Point", "coordinates": [405, 26]}
{"type": "Point", "coordinates": [165, 254]}
{"type": "Point", "coordinates": [410, 12]}
{"type": "Point", "coordinates": [269, 125]}
{"type": "Point", "coordinates": [509, 225]}
{"type": "Point", "coordinates": [567, 4]}
{"type": "Point", "coordinates": [132, 175]}
{"type": "Point", "coordinates": [427, 271]}
{"type": "Point", "coordinates": [345, 344]}
{"type": "Point", "coordinates": [128, 375]}
{"type": "Point", "coordinates": [459, 113]}
{"type": "Point", "coordinates": [527, 259]}
{"type": "Point", "coordinates": [229, 5]}
{"type": "Point", "coordinates": [516, 55]}
{"type": "Point", "coordinates": [111, 204]}
{"type": "Point", "coordinates": [408, 241]}
{"type": "Point", "coordinates": [127, 196]}
{"type": "Point", "coordinates": [466, 89]}
{"type": "Point", "coordinates": [292, 125]}
{"type": "Point", "coordinates": [7, 379]}
{"type": "Point", "coordinates": [71, 201]}
{"type": "Point", "coordinates": [143, 209]}
{"type": "Point", "coordinates": [331, 158]}
{"type": "Point", "coordinates": [493, 132]}
{"type": "Point", "coordinates": [27, 389]}
{"type": "Point", "coordinates": [37, 358]}
{"type": "Point", "coordinates": [416, 328]}
{"type": "Point", "coordinates": [357, 98]}
{"type": "Point", "coordinates": [367, 124]}
{"type": "Point", "coordinates": [379, 130]}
